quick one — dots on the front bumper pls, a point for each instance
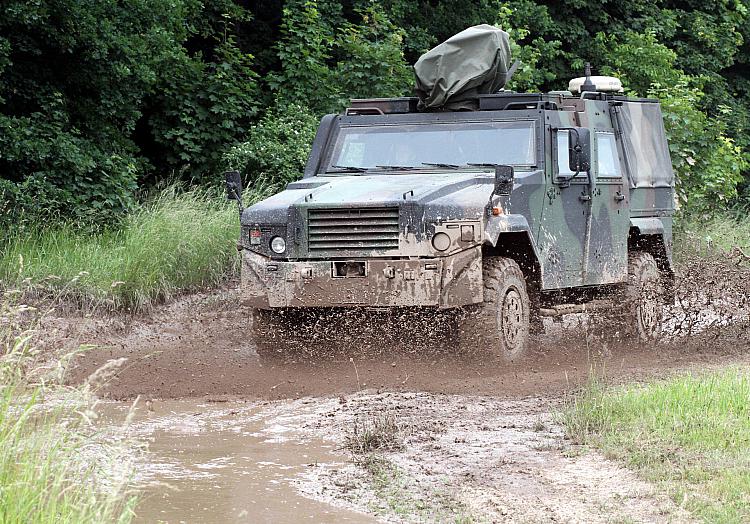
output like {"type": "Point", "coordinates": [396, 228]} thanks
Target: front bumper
{"type": "Point", "coordinates": [445, 282]}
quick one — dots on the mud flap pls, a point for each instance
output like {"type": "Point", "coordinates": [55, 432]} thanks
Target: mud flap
{"type": "Point", "coordinates": [462, 279]}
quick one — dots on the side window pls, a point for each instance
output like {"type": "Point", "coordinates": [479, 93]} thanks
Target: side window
{"type": "Point", "coordinates": [607, 161]}
{"type": "Point", "coordinates": [563, 166]}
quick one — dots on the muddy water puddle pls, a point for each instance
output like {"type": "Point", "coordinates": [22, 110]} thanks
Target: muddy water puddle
{"type": "Point", "coordinates": [223, 462]}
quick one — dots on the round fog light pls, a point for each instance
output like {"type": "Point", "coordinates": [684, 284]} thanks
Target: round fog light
{"type": "Point", "coordinates": [441, 241]}
{"type": "Point", "coordinates": [278, 245]}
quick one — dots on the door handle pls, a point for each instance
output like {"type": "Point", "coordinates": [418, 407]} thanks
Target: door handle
{"type": "Point", "coordinates": [619, 197]}
{"type": "Point", "coordinates": [584, 198]}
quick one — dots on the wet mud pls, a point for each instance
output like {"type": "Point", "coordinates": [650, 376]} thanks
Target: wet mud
{"type": "Point", "coordinates": [199, 348]}
{"type": "Point", "coordinates": [237, 436]}
{"type": "Point", "coordinates": [216, 462]}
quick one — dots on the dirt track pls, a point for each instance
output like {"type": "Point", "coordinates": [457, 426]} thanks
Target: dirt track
{"type": "Point", "coordinates": [482, 442]}
{"type": "Point", "coordinates": [198, 347]}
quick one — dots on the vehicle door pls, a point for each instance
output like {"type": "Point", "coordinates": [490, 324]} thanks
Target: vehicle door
{"type": "Point", "coordinates": [566, 212]}
{"type": "Point", "coordinates": [607, 252]}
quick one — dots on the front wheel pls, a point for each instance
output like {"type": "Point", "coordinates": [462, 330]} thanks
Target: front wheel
{"type": "Point", "coordinates": [502, 320]}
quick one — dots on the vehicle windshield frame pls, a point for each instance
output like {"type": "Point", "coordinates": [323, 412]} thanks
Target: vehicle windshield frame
{"type": "Point", "coordinates": [345, 126]}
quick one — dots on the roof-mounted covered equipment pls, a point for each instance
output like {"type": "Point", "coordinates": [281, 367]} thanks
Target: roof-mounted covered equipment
{"type": "Point", "coordinates": [471, 63]}
{"type": "Point", "coordinates": [602, 84]}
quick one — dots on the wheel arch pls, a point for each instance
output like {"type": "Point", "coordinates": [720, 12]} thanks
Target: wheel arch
{"type": "Point", "coordinates": [510, 236]}
{"type": "Point", "coordinates": [656, 240]}
{"type": "Point", "coordinates": [652, 235]}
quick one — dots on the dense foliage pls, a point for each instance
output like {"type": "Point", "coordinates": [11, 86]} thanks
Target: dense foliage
{"type": "Point", "coordinates": [100, 98]}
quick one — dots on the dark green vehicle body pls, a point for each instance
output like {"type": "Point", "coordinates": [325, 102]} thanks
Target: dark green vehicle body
{"type": "Point", "coordinates": [358, 235]}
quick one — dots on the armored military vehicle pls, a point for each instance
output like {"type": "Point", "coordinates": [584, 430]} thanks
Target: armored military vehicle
{"type": "Point", "coordinates": [506, 206]}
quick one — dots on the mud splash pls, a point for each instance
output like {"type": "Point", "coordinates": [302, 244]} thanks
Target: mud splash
{"type": "Point", "coordinates": [219, 462]}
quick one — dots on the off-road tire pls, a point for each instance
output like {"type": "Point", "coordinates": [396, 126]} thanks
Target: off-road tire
{"type": "Point", "coordinates": [641, 313]}
{"type": "Point", "coordinates": [501, 322]}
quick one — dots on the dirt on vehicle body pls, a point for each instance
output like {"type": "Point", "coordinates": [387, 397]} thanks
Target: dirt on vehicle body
{"type": "Point", "coordinates": [508, 206]}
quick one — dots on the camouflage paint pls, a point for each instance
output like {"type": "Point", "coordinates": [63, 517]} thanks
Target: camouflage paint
{"type": "Point", "coordinates": [579, 232]}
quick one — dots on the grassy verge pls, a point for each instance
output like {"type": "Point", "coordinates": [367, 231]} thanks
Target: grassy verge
{"type": "Point", "coordinates": [694, 235]}
{"type": "Point", "coordinates": [689, 434]}
{"type": "Point", "coordinates": [53, 468]}
{"type": "Point", "coordinates": [176, 242]}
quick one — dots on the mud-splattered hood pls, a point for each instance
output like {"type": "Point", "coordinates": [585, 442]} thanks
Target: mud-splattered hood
{"type": "Point", "coordinates": [444, 196]}
{"type": "Point", "coordinates": [368, 214]}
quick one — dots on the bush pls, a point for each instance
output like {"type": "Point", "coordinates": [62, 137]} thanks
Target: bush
{"type": "Point", "coordinates": [372, 59]}
{"type": "Point", "coordinates": [95, 94]}
{"type": "Point", "coordinates": [277, 147]}
{"type": "Point", "coordinates": [323, 64]}
{"type": "Point", "coordinates": [707, 163]}
{"type": "Point", "coordinates": [72, 79]}
{"type": "Point", "coordinates": [56, 171]}
{"type": "Point", "coordinates": [205, 109]}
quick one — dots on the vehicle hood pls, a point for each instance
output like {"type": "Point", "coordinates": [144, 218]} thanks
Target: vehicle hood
{"type": "Point", "coordinates": [444, 195]}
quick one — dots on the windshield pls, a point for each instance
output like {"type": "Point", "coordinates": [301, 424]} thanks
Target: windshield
{"type": "Point", "coordinates": [457, 144]}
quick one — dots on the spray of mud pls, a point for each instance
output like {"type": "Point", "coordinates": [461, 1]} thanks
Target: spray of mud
{"type": "Point", "coordinates": [707, 308]}
{"type": "Point", "coordinates": [200, 345]}
{"type": "Point", "coordinates": [712, 296]}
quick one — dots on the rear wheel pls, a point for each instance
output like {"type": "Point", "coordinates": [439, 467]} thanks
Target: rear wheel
{"type": "Point", "coordinates": [502, 320]}
{"type": "Point", "coordinates": [644, 297]}
{"type": "Point", "coordinates": [637, 315]}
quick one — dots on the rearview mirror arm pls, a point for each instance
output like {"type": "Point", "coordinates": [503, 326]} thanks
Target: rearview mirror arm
{"type": "Point", "coordinates": [233, 183]}
{"type": "Point", "coordinates": [238, 198]}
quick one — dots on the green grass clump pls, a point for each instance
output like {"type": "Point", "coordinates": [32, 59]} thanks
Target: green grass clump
{"type": "Point", "coordinates": [690, 433]}
{"type": "Point", "coordinates": [53, 466]}
{"type": "Point", "coordinates": [707, 235]}
{"type": "Point", "coordinates": [176, 242]}
{"type": "Point", "coordinates": [399, 495]}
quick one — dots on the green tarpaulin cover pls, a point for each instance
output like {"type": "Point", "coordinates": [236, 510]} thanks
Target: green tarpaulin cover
{"type": "Point", "coordinates": [470, 63]}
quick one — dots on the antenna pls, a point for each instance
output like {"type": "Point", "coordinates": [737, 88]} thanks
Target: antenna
{"type": "Point", "coordinates": [588, 85]}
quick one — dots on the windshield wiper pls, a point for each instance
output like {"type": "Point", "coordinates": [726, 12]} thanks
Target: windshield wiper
{"type": "Point", "coordinates": [483, 164]}
{"type": "Point", "coordinates": [397, 168]}
{"type": "Point", "coordinates": [356, 169]}
{"type": "Point", "coordinates": [440, 164]}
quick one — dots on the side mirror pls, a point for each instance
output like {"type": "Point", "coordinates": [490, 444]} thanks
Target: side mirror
{"type": "Point", "coordinates": [234, 185]}
{"type": "Point", "coordinates": [504, 176]}
{"type": "Point", "coordinates": [579, 149]}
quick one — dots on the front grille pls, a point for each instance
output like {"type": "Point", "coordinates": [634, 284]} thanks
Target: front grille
{"type": "Point", "coordinates": [352, 229]}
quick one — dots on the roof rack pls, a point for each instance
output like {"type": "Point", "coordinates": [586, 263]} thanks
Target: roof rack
{"type": "Point", "coordinates": [503, 101]}
{"type": "Point", "coordinates": [382, 106]}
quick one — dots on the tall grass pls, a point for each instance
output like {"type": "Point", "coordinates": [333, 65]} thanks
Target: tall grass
{"type": "Point", "coordinates": [51, 464]}
{"type": "Point", "coordinates": [689, 433]}
{"type": "Point", "coordinates": [707, 235]}
{"type": "Point", "coordinates": [180, 240]}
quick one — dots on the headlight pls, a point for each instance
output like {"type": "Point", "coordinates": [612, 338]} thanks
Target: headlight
{"type": "Point", "coordinates": [441, 241]}
{"type": "Point", "coordinates": [278, 245]}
